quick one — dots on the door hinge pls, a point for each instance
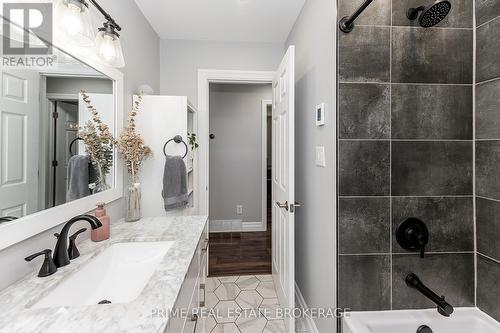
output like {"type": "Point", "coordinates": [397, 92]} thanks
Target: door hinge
{"type": "Point", "coordinates": [55, 115]}
{"type": "Point", "coordinates": [55, 164]}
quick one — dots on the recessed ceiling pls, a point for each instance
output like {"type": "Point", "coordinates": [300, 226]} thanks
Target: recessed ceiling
{"type": "Point", "coordinates": [222, 20]}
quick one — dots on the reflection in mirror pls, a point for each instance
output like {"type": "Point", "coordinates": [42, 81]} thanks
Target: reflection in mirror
{"type": "Point", "coordinates": [43, 115]}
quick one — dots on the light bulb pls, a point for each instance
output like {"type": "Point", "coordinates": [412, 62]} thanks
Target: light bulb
{"type": "Point", "coordinates": [74, 23]}
{"type": "Point", "coordinates": [72, 20]}
{"type": "Point", "coordinates": [107, 48]}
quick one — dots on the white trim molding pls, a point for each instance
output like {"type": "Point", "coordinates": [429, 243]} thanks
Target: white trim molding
{"type": "Point", "coordinates": [253, 226]}
{"type": "Point", "coordinates": [205, 77]}
{"type": "Point", "coordinates": [234, 226]}
{"type": "Point", "coordinates": [265, 104]}
{"type": "Point", "coordinates": [307, 322]}
{"type": "Point", "coordinates": [226, 225]}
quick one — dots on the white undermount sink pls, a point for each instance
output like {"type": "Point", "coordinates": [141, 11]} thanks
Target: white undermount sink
{"type": "Point", "coordinates": [118, 274]}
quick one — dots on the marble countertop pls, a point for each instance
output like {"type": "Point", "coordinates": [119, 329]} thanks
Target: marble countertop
{"type": "Point", "coordinates": [16, 302]}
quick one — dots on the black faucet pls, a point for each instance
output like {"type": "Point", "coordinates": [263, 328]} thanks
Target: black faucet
{"type": "Point", "coordinates": [413, 235]}
{"type": "Point", "coordinates": [73, 252]}
{"type": "Point", "coordinates": [61, 257]}
{"type": "Point", "coordinates": [413, 281]}
{"type": "Point", "coordinates": [7, 219]}
{"type": "Point", "coordinates": [48, 267]}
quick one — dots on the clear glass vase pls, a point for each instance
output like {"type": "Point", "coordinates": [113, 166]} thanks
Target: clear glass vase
{"type": "Point", "coordinates": [134, 194]}
{"type": "Point", "coordinates": [100, 184]}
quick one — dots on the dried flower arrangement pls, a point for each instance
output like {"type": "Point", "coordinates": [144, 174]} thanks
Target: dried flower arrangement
{"type": "Point", "coordinates": [98, 141]}
{"type": "Point", "coordinates": [131, 145]}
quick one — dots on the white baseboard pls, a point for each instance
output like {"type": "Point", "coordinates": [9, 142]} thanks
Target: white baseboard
{"type": "Point", "coordinates": [235, 226]}
{"type": "Point", "coordinates": [253, 226]}
{"type": "Point", "coordinates": [307, 322]}
{"type": "Point", "coordinates": [225, 226]}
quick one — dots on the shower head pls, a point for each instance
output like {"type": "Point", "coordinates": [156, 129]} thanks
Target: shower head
{"type": "Point", "coordinates": [431, 15]}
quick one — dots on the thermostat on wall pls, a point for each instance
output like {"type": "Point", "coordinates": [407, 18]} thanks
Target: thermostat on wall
{"type": "Point", "coordinates": [320, 114]}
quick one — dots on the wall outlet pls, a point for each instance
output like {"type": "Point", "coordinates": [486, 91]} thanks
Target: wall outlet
{"type": "Point", "coordinates": [239, 209]}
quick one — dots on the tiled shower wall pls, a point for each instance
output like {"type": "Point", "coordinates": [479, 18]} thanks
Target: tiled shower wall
{"type": "Point", "coordinates": [405, 150]}
{"type": "Point", "coordinates": [488, 155]}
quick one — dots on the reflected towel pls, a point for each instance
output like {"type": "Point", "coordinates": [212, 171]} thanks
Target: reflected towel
{"type": "Point", "coordinates": [78, 178]}
{"type": "Point", "coordinates": [174, 183]}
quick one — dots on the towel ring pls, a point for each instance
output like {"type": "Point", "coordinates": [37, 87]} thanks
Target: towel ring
{"type": "Point", "coordinates": [71, 145]}
{"type": "Point", "coordinates": [176, 139]}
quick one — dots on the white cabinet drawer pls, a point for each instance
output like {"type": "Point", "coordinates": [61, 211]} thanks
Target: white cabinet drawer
{"type": "Point", "coordinates": [192, 290]}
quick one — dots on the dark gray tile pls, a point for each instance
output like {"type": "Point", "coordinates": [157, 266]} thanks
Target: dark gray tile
{"type": "Point", "coordinates": [460, 15]}
{"type": "Point", "coordinates": [488, 227]}
{"type": "Point", "coordinates": [364, 225]}
{"type": "Point", "coordinates": [431, 168]}
{"type": "Point", "coordinates": [487, 169]}
{"type": "Point", "coordinates": [488, 286]}
{"type": "Point", "coordinates": [431, 55]}
{"type": "Point", "coordinates": [487, 106]}
{"type": "Point", "coordinates": [364, 282]}
{"type": "Point", "coordinates": [431, 112]}
{"type": "Point", "coordinates": [487, 46]}
{"type": "Point", "coordinates": [364, 111]}
{"type": "Point", "coordinates": [364, 55]}
{"type": "Point", "coordinates": [451, 275]}
{"type": "Point", "coordinates": [364, 168]}
{"type": "Point", "coordinates": [487, 10]}
{"type": "Point", "coordinates": [450, 222]}
{"type": "Point", "coordinates": [378, 13]}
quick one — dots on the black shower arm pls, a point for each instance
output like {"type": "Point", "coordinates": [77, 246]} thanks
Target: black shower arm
{"type": "Point", "coordinates": [347, 23]}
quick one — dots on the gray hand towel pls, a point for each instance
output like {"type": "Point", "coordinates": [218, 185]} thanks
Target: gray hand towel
{"type": "Point", "coordinates": [174, 183]}
{"type": "Point", "coordinates": [78, 178]}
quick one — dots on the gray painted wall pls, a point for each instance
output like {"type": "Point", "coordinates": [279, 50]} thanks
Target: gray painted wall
{"type": "Point", "coordinates": [488, 156]}
{"type": "Point", "coordinates": [141, 49]}
{"type": "Point", "coordinates": [315, 242]}
{"type": "Point", "coordinates": [236, 151]}
{"type": "Point", "coordinates": [181, 59]}
{"type": "Point", "coordinates": [405, 150]}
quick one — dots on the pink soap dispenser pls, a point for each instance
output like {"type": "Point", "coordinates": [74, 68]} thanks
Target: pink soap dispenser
{"type": "Point", "coordinates": [102, 233]}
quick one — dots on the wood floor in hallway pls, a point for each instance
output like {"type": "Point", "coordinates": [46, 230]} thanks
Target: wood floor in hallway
{"type": "Point", "coordinates": [242, 253]}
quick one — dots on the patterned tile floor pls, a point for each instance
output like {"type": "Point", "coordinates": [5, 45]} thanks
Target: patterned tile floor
{"type": "Point", "coordinates": [255, 295]}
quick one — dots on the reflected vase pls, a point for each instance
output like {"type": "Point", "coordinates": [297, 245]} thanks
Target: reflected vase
{"type": "Point", "coordinates": [134, 194]}
{"type": "Point", "coordinates": [100, 184]}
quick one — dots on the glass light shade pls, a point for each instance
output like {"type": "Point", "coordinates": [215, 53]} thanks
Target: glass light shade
{"type": "Point", "coordinates": [109, 49]}
{"type": "Point", "coordinates": [74, 22]}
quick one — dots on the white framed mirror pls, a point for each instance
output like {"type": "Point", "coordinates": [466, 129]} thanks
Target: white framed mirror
{"type": "Point", "coordinates": [42, 114]}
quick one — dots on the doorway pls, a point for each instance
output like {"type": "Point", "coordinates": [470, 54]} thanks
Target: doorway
{"type": "Point", "coordinates": [63, 130]}
{"type": "Point", "coordinates": [281, 283]}
{"type": "Point", "coordinates": [240, 205]}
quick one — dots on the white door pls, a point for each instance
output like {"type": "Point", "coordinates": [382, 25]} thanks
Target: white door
{"type": "Point", "coordinates": [19, 142]}
{"type": "Point", "coordinates": [283, 183]}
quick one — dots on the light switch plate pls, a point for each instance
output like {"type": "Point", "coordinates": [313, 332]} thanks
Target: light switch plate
{"type": "Point", "coordinates": [320, 156]}
{"type": "Point", "coordinates": [320, 115]}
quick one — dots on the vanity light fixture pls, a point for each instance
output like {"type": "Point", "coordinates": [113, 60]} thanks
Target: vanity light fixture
{"type": "Point", "coordinates": [73, 18]}
{"type": "Point", "coordinates": [75, 22]}
{"type": "Point", "coordinates": [108, 45]}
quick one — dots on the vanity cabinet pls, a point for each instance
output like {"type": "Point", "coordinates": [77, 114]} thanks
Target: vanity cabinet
{"type": "Point", "coordinates": [192, 293]}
